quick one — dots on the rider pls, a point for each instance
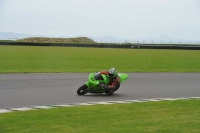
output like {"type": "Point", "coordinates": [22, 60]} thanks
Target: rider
{"type": "Point", "coordinates": [114, 81]}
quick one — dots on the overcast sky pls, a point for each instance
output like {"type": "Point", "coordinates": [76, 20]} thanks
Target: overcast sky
{"type": "Point", "coordinates": [118, 18]}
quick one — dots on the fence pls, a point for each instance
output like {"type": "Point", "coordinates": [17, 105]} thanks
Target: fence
{"type": "Point", "coordinates": [149, 42]}
{"type": "Point", "coordinates": [111, 45]}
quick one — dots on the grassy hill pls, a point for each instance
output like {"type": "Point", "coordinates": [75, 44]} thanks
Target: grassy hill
{"type": "Point", "coordinates": [57, 40]}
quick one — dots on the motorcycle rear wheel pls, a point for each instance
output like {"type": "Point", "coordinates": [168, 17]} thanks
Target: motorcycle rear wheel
{"type": "Point", "coordinates": [82, 90]}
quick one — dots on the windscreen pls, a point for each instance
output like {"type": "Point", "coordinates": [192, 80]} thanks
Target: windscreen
{"type": "Point", "coordinates": [98, 76]}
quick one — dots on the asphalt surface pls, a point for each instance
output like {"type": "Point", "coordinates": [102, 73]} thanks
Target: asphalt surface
{"type": "Point", "coordinates": [26, 90]}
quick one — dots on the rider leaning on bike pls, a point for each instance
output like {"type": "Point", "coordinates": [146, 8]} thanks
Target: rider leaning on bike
{"type": "Point", "coordinates": [114, 81]}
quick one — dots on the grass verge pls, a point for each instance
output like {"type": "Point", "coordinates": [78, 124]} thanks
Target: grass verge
{"type": "Point", "coordinates": [19, 59]}
{"type": "Point", "coordinates": [180, 116]}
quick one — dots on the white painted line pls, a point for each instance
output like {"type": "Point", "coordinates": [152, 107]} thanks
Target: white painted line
{"type": "Point", "coordinates": [170, 99]}
{"type": "Point", "coordinates": [63, 105]}
{"type": "Point", "coordinates": [118, 102]}
{"type": "Point", "coordinates": [161, 98]}
{"type": "Point", "coordinates": [135, 101]}
{"type": "Point", "coordinates": [21, 109]}
{"type": "Point", "coordinates": [150, 100]}
{"type": "Point", "coordinates": [183, 98]}
{"type": "Point", "coordinates": [93, 103]}
{"type": "Point", "coordinates": [42, 107]}
{"type": "Point", "coordinates": [154, 100]}
{"type": "Point", "coordinates": [103, 103]}
{"type": "Point", "coordinates": [84, 104]}
{"type": "Point", "coordinates": [4, 111]}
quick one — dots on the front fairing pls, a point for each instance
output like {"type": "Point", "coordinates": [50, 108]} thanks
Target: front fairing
{"type": "Point", "coordinates": [123, 77]}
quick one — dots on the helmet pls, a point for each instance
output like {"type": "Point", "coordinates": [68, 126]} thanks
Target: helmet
{"type": "Point", "coordinates": [112, 72]}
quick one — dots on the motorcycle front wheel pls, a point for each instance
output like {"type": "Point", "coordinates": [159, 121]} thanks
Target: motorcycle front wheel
{"type": "Point", "coordinates": [82, 90]}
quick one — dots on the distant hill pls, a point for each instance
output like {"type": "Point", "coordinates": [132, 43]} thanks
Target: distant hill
{"type": "Point", "coordinates": [20, 37]}
{"type": "Point", "coordinates": [57, 40]}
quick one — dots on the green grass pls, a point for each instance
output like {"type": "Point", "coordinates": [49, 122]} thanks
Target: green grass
{"type": "Point", "coordinates": [181, 116]}
{"type": "Point", "coordinates": [19, 59]}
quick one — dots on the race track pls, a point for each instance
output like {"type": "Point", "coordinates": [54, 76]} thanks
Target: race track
{"type": "Point", "coordinates": [25, 90]}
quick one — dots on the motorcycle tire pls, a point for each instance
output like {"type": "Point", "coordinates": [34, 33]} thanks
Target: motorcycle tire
{"type": "Point", "coordinates": [82, 90]}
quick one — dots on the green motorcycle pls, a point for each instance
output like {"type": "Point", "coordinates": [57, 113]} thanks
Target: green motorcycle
{"type": "Point", "coordinates": [92, 86]}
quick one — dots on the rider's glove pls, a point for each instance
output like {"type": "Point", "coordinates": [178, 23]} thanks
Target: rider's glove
{"type": "Point", "coordinates": [107, 76]}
